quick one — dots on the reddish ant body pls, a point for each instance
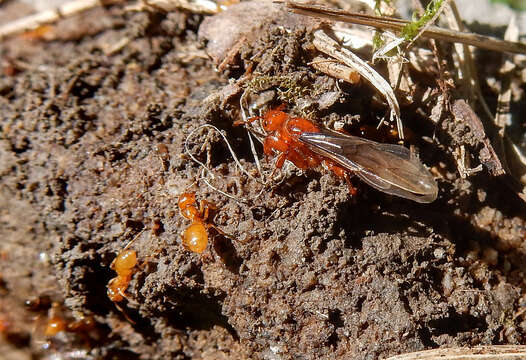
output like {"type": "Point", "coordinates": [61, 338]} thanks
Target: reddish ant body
{"type": "Point", "coordinates": [195, 237]}
{"type": "Point", "coordinates": [390, 168]}
{"type": "Point", "coordinates": [283, 137]}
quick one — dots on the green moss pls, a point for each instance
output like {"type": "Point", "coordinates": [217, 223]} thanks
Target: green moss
{"type": "Point", "coordinates": [289, 89]}
{"type": "Point", "coordinates": [378, 40]}
{"type": "Point", "coordinates": [516, 4]}
{"type": "Point", "coordinates": [411, 30]}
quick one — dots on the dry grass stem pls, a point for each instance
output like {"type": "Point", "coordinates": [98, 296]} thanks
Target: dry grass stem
{"type": "Point", "coordinates": [199, 6]}
{"type": "Point", "coordinates": [329, 46]}
{"type": "Point", "coordinates": [514, 157]}
{"type": "Point", "coordinates": [335, 69]}
{"type": "Point", "coordinates": [388, 23]}
{"type": "Point", "coordinates": [469, 71]}
{"type": "Point", "coordinates": [489, 352]}
{"type": "Point", "coordinates": [32, 22]}
{"type": "Point", "coordinates": [503, 116]}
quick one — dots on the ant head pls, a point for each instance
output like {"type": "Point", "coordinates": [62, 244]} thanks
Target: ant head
{"type": "Point", "coordinates": [274, 118]}
{"type": "Point", "coordinates": [187, 198]}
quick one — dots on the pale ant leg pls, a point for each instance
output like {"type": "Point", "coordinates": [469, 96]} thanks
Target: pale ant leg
{"type": "Point", "coordinates": [123, 295]}
{"type": "Point", "coordinates": [147, 259]}
{"type": "Point", "coordinates": [204, 209]}
{"type": "Point", "coordinates": [221, 232]}
{"type": "Point", "coordinates": [123, 312]}
{"type": "Point", "coordinates": [280, 161]}
{"type": "Point", "coordinates": [208, 257]}
{"type": "Point", "coordinates": [133, 240]}
{"type": "Point", "coordinates": [277, 167]}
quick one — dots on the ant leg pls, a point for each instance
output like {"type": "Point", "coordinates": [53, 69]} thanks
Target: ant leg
{"type": "Point", "coordinates": [134, 238]}
{"type": "Point", "coordinates": [353, 190]}
{"type": "Point", "coordinates": [221, 232]}
{"type": "Point", "coordinates": [121, 293]}
{"type": "Point", "coordinates": [204, 209]}
{"type": "Point", "coordinates": [281, 160]}
{"type": "Point", "coordinates": [147, 259]}
{"type": "Point", "coordinates": [124, 313]}
{"type": "Point", "coordinates": [279, 164]}
{"type": "Point", "coordinates": [280, 107]}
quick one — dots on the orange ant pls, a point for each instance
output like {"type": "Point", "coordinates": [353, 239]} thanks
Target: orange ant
{"type": "Point", "coordinates": [55, 322]}
{"type": "Point", "coordinates": [123, 265]}
{"type": "Point", "coordinates": [195, 237]}
{"type": "Point", "coordinates": [283, 137]}
{"type": "Point", "coordinates": [390, 168]}
{"type": "Point", "coordinates": [63, 334]}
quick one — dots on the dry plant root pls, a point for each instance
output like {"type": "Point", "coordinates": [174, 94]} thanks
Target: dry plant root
{"type": "Point", "coordinates": [207, 174]}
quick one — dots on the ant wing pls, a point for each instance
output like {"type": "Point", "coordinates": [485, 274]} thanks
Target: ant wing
{"type": "Point", "coordinates": [390, 168]}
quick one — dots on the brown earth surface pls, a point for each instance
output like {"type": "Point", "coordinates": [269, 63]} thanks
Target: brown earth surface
{"type": "Point", "coordinates": [304, 270]}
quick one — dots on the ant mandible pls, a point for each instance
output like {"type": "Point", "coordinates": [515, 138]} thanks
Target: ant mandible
{"type": "Point", "coordinates": [195, 237]}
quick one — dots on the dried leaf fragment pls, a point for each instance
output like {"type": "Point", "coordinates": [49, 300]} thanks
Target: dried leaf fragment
{"type": "Point", "coordinates": [487, 156]}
